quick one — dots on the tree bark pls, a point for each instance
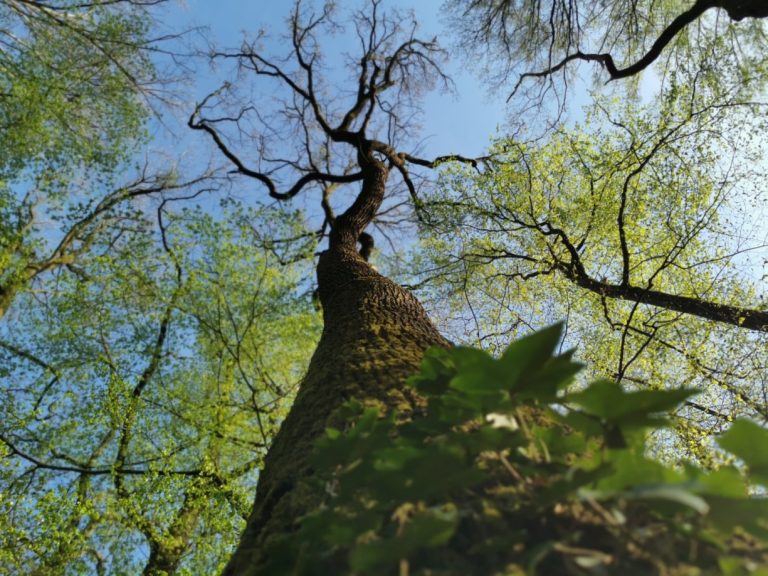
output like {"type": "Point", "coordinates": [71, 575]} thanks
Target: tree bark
{"type": "Point", "coordinates": [374, 336]}
{"type": "Point", "coordinates": [167, 551]}
{"type": "Point", "coordinates": [6, 297]}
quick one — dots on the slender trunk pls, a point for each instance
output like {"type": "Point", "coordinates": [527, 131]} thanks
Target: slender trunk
{"type": "Point", "coordinates": [374, 336]}
{"type": "Point", "coordinates": [7, 293]}
{"type": "Point", "coordinates": [166, 555]}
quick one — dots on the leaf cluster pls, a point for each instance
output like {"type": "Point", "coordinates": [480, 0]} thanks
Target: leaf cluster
{"type": "Point", "coordinates": [72, 80]}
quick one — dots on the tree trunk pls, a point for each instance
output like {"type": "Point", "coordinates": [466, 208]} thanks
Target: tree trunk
{"type": "Point", "coordinates": [374, 336]}
{"type": "Point", "coordinates": [167, 551]}
{"type": "Point", "coordinates": [7, 294]}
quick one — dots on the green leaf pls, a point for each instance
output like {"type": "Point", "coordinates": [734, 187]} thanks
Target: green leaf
{"type": "Point", "coordinates": [395, 458]}
{"type": "Point", "coordinates": [435, 373]}
{"type": "Point", "coordinates": [749, 442]}
{"type": "Point", "coordinates": [631, 468]}
{"type": "Point", "coordinates": [679, 493]}
{"type": "Point", "coordinates": [727, 514]}
{"type": "Point", "coordinates": [340, 526]}
{"type": "Point", "coordinates": [477, 372]}
{"type": "Point", "coordinates": [726, 481]}
{"type": "Point", "coordinates": [571, 484]}
{"type": "Point", "coordinates": [525, 371]}
{"type": "Point", "coordinates": [533, 349]}
{"type": "Point", "coordinates": [558, 442]}
{"type": "Point", "coordinates": [543, 385]}
{"type": "Point", "coordinates": [425, 529]}
{"type": "Point", "coordinates": [735, 566]}
{"type": "Point", "coordinates": [612, 404]}
{"type": "Point", "coordinates": [530, 352]}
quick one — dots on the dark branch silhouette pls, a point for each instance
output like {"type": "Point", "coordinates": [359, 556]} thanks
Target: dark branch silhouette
{"type": "Point", "coordinates": [387, 77]}
{"type": "Point", "coordinates": [737, 10]}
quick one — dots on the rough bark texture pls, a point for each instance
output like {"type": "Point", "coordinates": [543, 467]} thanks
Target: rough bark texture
{"type": "Point", "coordinates": [374, 336]}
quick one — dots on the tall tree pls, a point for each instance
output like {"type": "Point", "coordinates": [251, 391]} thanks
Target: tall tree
{"type": "Point", "coordinates": [375, 332]}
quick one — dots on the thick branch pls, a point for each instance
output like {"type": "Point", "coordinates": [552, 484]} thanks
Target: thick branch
{"type": "Point", "coordinates": [297, 187]}
{"type": "Point", "coordinates": [736, 9]}
{"type": "Point", "coordinates": [575, 271]}
{"type": "Point", "coordinates": [474, 162]}
{"type": "Point", "coordinates": [166, 554]}
{"type": "Point", "coordinates": [734, 315]}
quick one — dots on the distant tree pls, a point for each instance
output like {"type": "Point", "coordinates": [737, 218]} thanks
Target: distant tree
{"type": "Point", "coordinates": [139, 397]}
{"type": "Point", "coordinates": [637, 230]}
{"type": "Point", "coordinates": [76, 84]}
{"type": "Point", "coordinates": [696, 138]}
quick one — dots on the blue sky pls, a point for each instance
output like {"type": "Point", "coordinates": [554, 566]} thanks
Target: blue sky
{"type": "Point", "coordinates": [463, 122]}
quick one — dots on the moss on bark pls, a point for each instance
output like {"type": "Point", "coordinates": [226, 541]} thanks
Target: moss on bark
{"type": "Point", "coordinates": [374, 337]}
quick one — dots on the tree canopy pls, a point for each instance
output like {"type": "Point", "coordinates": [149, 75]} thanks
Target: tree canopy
{"type": "Point", "coordinates": [147, 418]}
{"type": "Point", "coordinates": [75, 80]}
{"type": "Point", "coordinates": [653, 285]}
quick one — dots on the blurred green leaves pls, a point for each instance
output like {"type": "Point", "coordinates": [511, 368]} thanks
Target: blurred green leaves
{"type": "Point", "coordinates": [503, 454]}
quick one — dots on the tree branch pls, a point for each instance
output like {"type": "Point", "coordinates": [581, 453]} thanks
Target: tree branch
{"type": "Point", "coordinates": [724, 313]}
{"type": "Point", "coordinates": [736, 9]}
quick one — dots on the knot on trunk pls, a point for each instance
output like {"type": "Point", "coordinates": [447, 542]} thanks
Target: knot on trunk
{"type": "Point", "coordinates": [366, 245]}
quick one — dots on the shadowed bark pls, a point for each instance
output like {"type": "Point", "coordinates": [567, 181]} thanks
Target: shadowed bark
{"type": "Point", "coordinates": [374, 336]}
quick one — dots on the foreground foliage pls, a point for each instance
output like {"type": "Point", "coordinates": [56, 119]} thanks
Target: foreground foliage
{"type": "Point", "coordinates": [509, 471]}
